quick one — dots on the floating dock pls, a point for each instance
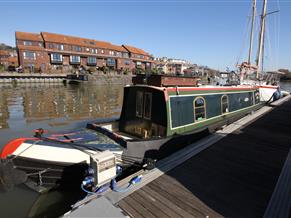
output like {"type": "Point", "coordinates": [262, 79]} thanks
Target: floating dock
{"type": "Point", "coordinates": [242, 170]}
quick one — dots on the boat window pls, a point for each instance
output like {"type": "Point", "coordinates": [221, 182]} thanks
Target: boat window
{"type": "Point", "coordinates": [147, 105]}
{"type": "Point", "coordinates": [257, 97]}
{"type": "Point", "coordinates": [199, 109]}
{"type": "Point", "coordinates": [224, 104]}
{"type": "Point", "coordinates": [139, 104]}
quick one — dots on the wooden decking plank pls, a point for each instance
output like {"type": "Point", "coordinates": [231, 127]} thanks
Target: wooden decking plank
{"type": "Point", "coordinates": [166, 208]}
{"type": "Point", "coordinates": [167, 202]}
{"type": "Point", "coordinates": [127, 208]}
{"type": "Point", "coordinates": [184, 194]}
{"type": "Point", "coordinates": [144, 212]}
{"type": "Point", "coordinates": [179, 202]}
{"type": "Point", "coordinates": [141, 198]}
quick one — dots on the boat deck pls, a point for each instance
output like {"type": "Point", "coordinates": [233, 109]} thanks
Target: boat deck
{"type": "Point", "coordinates": [235, 177]}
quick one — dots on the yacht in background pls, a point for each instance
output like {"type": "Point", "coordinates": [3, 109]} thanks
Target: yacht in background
{"type": "Point", "coordinates": [253, 74]}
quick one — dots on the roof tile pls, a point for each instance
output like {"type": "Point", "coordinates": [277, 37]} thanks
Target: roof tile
{"type": "Point", "coordinates": [135, 50]}
{"type": "Point", "coordinates": [28, 36]}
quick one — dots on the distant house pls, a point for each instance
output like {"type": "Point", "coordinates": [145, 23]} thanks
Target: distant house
{"type": "Point", "coordinates": [140, 58]}
{"type": "Point", "coordinates": [8, 58]}
{"type": "Point", "coordinates": [43, 51]}
{"type": "Point", "coordinates": [172, 66]}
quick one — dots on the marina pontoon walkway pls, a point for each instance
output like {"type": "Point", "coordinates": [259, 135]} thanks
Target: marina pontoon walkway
{"type": "Point", "coordinates": [235, 177]}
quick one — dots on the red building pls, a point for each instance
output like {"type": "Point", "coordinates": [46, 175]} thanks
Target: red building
{"type": "Point", "coordinates": [46, 51]}
{"type": "Point", "coordinates": [8, 58]}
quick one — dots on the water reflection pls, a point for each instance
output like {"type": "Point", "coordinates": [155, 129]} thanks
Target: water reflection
{"type": "Point", "coordinates": [55, 107]}
{"type": "Point", "coordinates": [27, 103]}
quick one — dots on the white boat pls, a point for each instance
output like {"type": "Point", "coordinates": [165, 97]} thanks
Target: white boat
{"type": "Point", "coordinates": [253, 74]}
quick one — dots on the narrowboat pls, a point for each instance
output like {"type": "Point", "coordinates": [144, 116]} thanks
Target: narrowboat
{"type": "Point", "coordinates": [160, 114]}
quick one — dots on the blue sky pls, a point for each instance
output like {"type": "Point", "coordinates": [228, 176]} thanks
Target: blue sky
{"type": "Point", "coordinates": [206, 32]}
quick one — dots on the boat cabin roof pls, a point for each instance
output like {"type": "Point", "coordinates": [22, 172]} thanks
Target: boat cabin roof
{"type": "Point", "coordinates": [185, 84]}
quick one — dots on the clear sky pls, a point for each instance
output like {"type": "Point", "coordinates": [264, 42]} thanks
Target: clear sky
{"type": "Point", "coordinates": [210, 32]}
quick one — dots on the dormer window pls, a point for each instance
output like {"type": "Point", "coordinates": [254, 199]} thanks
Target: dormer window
{"type": "Point", "coordinates": [125, 55]}
{"type": "Point", "coordinates": [77, 48]}
{"type": "Point", "coordinates": [60, 47]}
{"type": "Point", "coordinates": [27, 43]}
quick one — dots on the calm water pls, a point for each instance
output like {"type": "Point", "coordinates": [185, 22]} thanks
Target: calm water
{"type": "Point", "coordinates": [54, 107]}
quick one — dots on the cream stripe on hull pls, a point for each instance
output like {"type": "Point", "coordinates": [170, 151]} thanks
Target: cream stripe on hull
{"type": "Point", "coordinates": [60, 153]}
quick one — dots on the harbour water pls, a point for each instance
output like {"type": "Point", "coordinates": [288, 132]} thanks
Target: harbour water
{"type": "Point", "coordinates": [54, 107]}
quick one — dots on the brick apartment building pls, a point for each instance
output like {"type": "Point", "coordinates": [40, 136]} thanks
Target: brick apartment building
{"type": "Point", "coordinates": [45, 51]}
{"type": "Point", "coordinates": [8, 58]}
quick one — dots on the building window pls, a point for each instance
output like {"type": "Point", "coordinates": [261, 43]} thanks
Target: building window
{"type": "Point", "coordinates": [60, 47]}
{"type": "Point", "coordinates": [77, 48]}
{"type": "Point", "coordinates": [102, 51]}
{"type": "Point", "coordinates": [111, 62]}
{"type": "Point", "coordinates": [148, 65]}
{"type": "Point", "coordinates": [125, 55]}
{"type": "Point", "coordinates": [139, 104]}
{"type": "Point", "coordinates": [147, 105]}
{"type": "Point", "coordinates": [40, 44]}
{"type": "Point", "coordinates": [56, 58]}
{"type": "Point", "coordinates": [224, 104]}
{"type": "Point", "coordinates": [31, 67]}
{"type": "Point", "coordinates": [111, 52]}
{"type": "Point", "coordinates": [51, 46]}
{"type": "Point", "coordinates": [87, 49]}
{"type": "Point", "coordinates": [138, 64]}
{"type": "Point", "coordinates": [199, 109]}
{"type": "Point", "coordinates": [29, 55]}
{"type": "Point", "coordinates": [94, 50]}
{"type": "Point", "coordinates": [91, 61]}
{"type": "Point", "coordinates": [127, 62]}
{"type": "Point", "coordinates": [27, 43]}
{"type": "Point", "coordinates": [75, 59]}
{"type": "Point", "coordinates": [118, 54]}
{"type": "Point", "coordinates": [139, 56]}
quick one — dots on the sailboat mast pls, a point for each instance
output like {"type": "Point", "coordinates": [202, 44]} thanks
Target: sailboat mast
{"type": "Point", "coordinates": [252, 30]}
{"type": "Point", "coordinates": [261, 38]}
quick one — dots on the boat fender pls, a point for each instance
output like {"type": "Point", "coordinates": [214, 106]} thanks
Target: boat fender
{"type": "Point", "coordinates": [39, 132]}
{"type": "Point", "coordinates": [276, 95]}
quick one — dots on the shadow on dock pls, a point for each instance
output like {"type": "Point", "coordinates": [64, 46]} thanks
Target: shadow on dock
{"type": "Point", "coordinates": [235, 177]}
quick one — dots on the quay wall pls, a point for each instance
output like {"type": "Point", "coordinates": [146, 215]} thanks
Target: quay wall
{"type": "Point", "coordinates": [98, 79]}
{"type": "Point", "coordinates": [110, 79]}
